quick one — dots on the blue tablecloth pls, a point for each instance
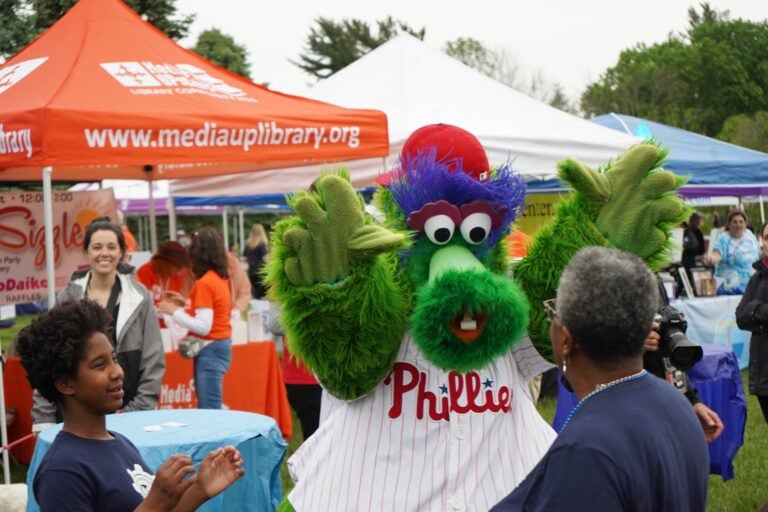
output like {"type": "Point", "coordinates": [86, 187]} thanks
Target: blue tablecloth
{"type": "Point", "coordinates": [718, 381]}
{"type": "Point", "coordinates": [713, 320]}
{"type": "Point", "coordinates": [256, 436]}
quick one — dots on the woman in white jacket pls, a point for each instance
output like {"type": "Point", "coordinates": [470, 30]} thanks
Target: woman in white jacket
{"type": "Point", "coordinates": [136, 331]}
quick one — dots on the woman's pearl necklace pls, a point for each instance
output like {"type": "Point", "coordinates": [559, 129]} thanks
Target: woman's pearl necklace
{"type": "Point", "coordinates": [602, 387]}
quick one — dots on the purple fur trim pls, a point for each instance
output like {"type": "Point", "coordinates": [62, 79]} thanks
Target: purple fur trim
{"type": "Point", "coordinates": [428, 181]}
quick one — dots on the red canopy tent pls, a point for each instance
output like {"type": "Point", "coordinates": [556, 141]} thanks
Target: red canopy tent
{"type": "Point", "coordinates": [104, 94]}
{"type": "Point", "coordinates": [104, 87]}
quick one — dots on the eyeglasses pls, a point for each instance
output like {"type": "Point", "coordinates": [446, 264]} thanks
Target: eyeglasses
{"type": "Point", "coordinates": [550, 308]}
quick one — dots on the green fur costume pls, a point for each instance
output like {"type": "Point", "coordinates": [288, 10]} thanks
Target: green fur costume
{"type": "Point", "coordinates": [337, 288]}
{"type": "Point", "coordinates": [630, 205]}
{"type": "Point", "coordinates": [351, 289]}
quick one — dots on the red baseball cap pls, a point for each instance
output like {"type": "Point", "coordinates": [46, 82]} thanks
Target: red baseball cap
{"type": "Point", "coordinates": [454, 146]}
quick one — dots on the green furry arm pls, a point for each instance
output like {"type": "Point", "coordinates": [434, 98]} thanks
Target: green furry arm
{"type": "Point", "coordinates": [332, 272]}
{"type": "Point", "coordinates": [632, 201]}
{"type": "Point", "coordinates": [629, 204]}
{"type": "Point", "coordinates": [539, 272]}
{"type": "Point", "coordinates": [348, 333]}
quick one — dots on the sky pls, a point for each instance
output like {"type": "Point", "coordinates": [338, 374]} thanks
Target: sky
{"type": "Point", "coordinates": [567, 42]}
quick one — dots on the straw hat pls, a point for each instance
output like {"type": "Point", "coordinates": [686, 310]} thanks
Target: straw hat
{"type": "Point", "coordinates": [173, 252]}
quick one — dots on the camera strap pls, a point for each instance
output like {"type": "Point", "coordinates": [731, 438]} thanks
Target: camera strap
{"type": "Point", "coordinates": [674, 376]}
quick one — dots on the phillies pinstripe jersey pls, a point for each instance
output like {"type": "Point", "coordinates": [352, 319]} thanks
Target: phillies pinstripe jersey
{"type": "Point", "coordinates": [425, 440]}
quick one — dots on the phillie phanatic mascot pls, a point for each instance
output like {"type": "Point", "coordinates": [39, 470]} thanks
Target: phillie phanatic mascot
{"type": "Point", "coordinates": [413, 325]}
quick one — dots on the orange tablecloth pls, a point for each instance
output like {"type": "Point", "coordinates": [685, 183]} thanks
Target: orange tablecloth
{"type": "Point", "coordinates": [254, 383]}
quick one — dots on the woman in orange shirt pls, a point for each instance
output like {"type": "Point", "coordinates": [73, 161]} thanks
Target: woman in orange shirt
{"type": "Point", "coordinates": [207, 314]}
{"type": "Point", "coordinates": [167, 271]}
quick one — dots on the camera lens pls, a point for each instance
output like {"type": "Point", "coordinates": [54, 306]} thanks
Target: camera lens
{"type": "Point", "coordinates": [683, 353]}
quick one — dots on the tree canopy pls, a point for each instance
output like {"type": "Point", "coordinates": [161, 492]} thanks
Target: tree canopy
{"type": "Point", "coordinates": [500, 66]}
{"type": "Point", "coordinates": [474, 54]}
{"type": "Point", "coordinates": [747, 131]}
{"type": "Point", "coordinates": [222, 49]}
{"type": "Point", "coordinates": [23, 20]}
{"type": "Point", "coordinates": [332, 45]}
{"type": "Point", "coordinates": [696, 80]}
{"type": "Point", "coordinates": [497, 64]}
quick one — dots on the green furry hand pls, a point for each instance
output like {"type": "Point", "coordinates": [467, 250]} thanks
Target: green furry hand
{"type": "Point", "coordinates": [333, 236]}
{"type": "Point", "coordinates": [632, 202]}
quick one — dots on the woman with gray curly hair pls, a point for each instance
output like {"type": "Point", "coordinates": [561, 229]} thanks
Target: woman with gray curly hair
{"type": "Point", "coordinates": [632, 442]}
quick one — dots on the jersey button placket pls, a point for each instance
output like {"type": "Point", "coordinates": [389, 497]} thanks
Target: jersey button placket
{"type": "Point", "coordinates": [455, 503]}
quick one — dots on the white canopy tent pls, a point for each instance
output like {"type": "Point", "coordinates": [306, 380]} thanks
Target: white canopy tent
{"type": "Point", "coordinates": [416, 85]}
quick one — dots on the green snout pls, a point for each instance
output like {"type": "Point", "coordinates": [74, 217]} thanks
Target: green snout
{"type": "Point", "coordinates": [452, 257]}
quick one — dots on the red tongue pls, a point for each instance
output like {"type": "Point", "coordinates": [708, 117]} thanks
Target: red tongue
{"type": "Point", "coordinates": [467, 336]}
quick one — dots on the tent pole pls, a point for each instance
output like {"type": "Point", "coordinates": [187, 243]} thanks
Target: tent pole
{"type": "Point", "coordinates": [235, 233]}
{"type": "Point", "coordinates": [152, 217]}
{"type": "Point", "coordinates": [762, 211]}
{"type": "Point", "coordinates": [4, 430]}
{"type": "Point", "coordinates": [171, 218]}
{"type": "Point", "coordinates": [241, 218]}
{"type": "Point", "coordinates": [48, 221]}
{"type": "Point", "coordinates": [225, 233]}
{"type": "Point", "coordinates": [621, 121]}
{"type": "Point", "coordinates": [140, 222]}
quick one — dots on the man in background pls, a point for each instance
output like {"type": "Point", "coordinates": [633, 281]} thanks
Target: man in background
{"type": "Point", "coordinates": [694, 245]}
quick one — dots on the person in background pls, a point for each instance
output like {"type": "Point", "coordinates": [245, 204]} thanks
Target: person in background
{"type": "Point", "coordinates": [304, 393]}
{"type": "Point", "coordinates": [693, 243]}
{"type": "Point", "coordinates": [123, 267]}
{"type": "Point", "coordinates": [733, 254]}
{"type": "Point", "coordinates": [517, 244]}
{"type": "Point", "coordinates": [716, 222]}
{"type": "Point", "coordinates": [632, 442]}
{"type": "Point", "coordinates": [167, 271]}
{"type": "Point", "coordinates": [207, 315]}
{"type": "Point", "coordinates": [135, 329]}
{"type": "Point", "coordinates": [183, 238]}
{"type": "Point", "coordinates": [241, 286]}
{"type": "Point", "coordinates": [70, 360]}
{"type": "Point", "coordinates": [255, 252]}
{"type": "Point", "coordinates": [663, 368]}
{"type": "Point", "coordinates": [131, 245]}
{"type": "Point", "coordinates": [752, 315]}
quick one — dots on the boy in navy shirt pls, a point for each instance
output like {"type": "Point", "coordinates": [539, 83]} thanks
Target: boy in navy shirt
{"type": "Point", "coordinates": [70, 360]}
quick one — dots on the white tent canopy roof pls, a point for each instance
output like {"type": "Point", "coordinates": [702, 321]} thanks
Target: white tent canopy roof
{"type": "Point", "coordinates": [416, 85]}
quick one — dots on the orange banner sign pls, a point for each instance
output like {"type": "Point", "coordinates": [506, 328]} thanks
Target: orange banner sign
{"type": "Point", "coordinates": [22, 239]}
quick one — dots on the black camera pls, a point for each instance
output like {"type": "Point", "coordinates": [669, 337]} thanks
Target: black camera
{"type": "Point", "coordinates": [682, 352]}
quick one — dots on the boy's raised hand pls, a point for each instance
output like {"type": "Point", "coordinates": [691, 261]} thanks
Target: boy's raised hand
{"type": "Point", "coordinates": [170, 484]}
{"type": "Point", "coordinates": [219, 469]}
{"type": "Point", "coordinates": [171, 491]}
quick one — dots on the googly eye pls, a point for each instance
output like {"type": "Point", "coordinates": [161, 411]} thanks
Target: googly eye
{"type": "Point", "coordinates": [476, 227]}
{"type": "Point", "coordinates": [439, 229]}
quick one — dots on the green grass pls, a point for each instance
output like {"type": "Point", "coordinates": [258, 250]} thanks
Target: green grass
{"type": "Point", "coordinates": [8, 334]}
{"type": "Point", "coordinates": [296, 439]}
{"type": "Point", "coordinates": [746, 492]}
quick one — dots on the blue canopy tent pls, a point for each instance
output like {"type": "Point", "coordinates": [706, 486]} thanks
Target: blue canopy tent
{"type": "Point", "coordinates": [256, 203]}
{"type": "Point", "coordinates": [715, 167]}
